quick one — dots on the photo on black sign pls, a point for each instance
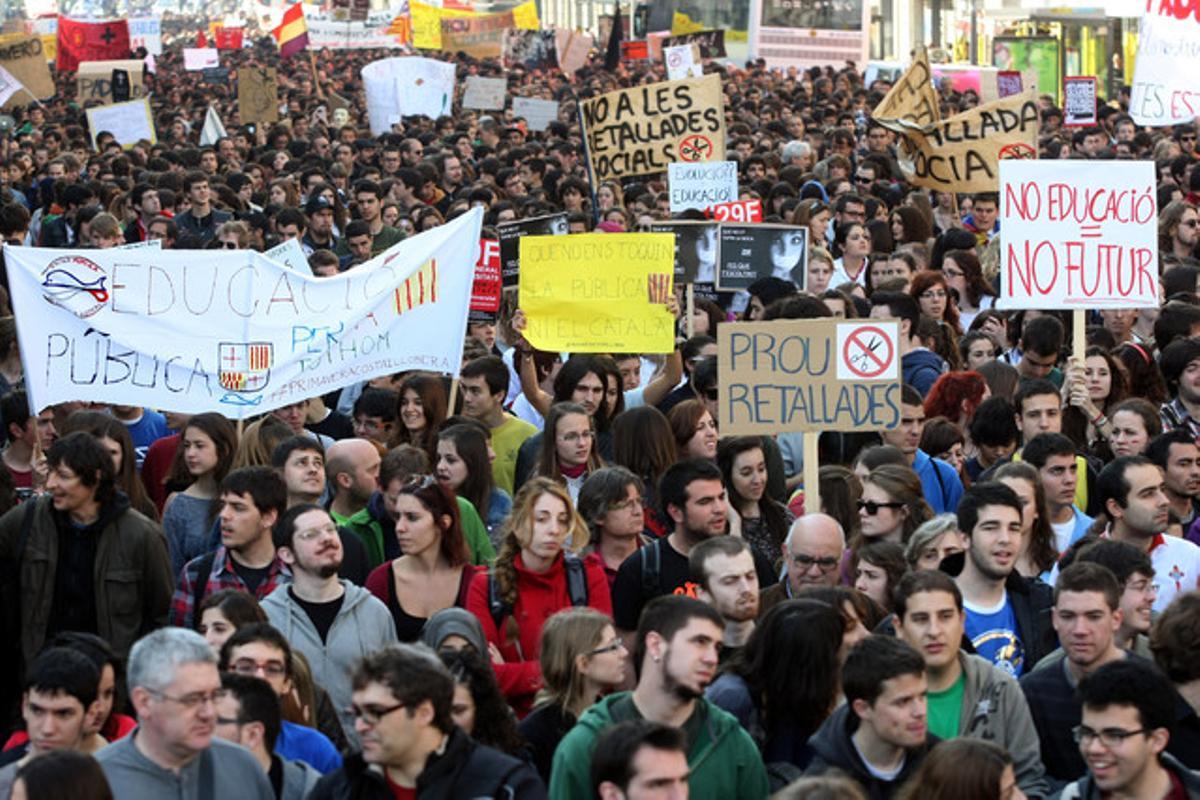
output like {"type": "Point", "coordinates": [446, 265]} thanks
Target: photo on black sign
{"type": "Point", "coordinates": [510, 234]}
{"type": "Point", "coordinates": [750, 252]}
{"type": "Point", "coordinates": [695, 250]}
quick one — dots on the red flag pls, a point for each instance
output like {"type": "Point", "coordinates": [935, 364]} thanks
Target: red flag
{"type": "Point", "coordinates": [201, 39]}
{"type": "Point", "coordinates": [90, 41]}
{"type": "Point", "coordinates": [227, 38]}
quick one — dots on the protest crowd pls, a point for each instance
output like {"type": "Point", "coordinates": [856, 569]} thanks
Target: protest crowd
{"type": "Point", "coordinates": [532, 572]}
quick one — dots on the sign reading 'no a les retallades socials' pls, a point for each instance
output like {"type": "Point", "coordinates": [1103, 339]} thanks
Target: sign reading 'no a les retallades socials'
{"type": "Point", "coordinates": [1072, 236]}
{"type": "Point", "coordinates": [235, 333]}
{"type": "Point", "coordinates": [808, 375]}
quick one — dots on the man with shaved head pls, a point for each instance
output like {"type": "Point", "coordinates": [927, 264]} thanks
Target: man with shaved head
{"type": "Point", "coordinates": [812, 552]}
{"type": "Point", "coordinates": [352, 471]}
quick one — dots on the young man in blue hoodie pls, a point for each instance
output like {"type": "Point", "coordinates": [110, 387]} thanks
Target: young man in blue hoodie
{"type": "Point", "coordinates": [941, 484]}
{"type": "Point", "coordinates": [919, 366]}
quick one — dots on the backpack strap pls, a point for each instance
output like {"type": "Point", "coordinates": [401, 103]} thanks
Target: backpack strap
{"type": "Point", "coordinates": [204, 568]}
{"type": "Point", "coordinates": [496, 604]}
{"type": "Point", "coordinates": [651, 568]}
{"type": "Point", "coordinates": [577, 587]}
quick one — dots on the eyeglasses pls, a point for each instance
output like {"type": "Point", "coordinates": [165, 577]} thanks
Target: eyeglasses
{"type": "Point", "coordinates": [1143, 587]}
{"type": "Point", "coordinates": [1109, 737]}
{"type": "Point", "coordinates": [872, 508]}
{"type": "Point", "coordinates": [805, 562]}
{"type": "Point", "coordinates": [194, 700]}
{"type": "Point", "coordinates": [248, 666]}
{"type": "Point", "coordinates": [1191, 223]}
{"type": "Point", "coordinates": [372, 714]}
{"type": "Point", "coordinates": [952, 273]}
{"type": "Point", "coordinates": [861, 179]}
{"type": "Point", "coordinates": [230, 721]}
{"type": "Point", "coordinates": [615, 645]}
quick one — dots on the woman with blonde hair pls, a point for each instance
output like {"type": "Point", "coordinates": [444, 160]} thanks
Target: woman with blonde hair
{"type": "Point", "coordinates": [582, 659]}
{"type": "Point", "coordinates": [537, 573]}
{"type": "Point", "coordinates": [933, 541]}
{"type": "Point", "coordinates": [258, 442]}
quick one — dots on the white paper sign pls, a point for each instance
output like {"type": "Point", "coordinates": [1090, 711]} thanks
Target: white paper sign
{"type": "Point", "coordinates": [291, 255]}
{"type": "Point", "coordinates": [701, 185]}
{"type": "Point", "coordinates": [681, 62]}
{"type": "Point", "coordinates": [198, 58]}
{"type": "Point", "coordinates": [1164, 90]}
{"type": "Point", "coordinates": [9, 85]}
{"type": "Point", "coordinates": [146, 32]}
{"type": "Point", "coordinates": [400, 87]}
{"type": "Point", "coordinates": [1074, 236]}
{"type": "Point", "coordinates": [145, 244]}
{"type": "Point", "coordinates": [128, 122]}
{"type": "Point", "coordinates": [234, 332]}
{"type": "Point", "coordinates": [538, 114]}
{"type": "Point", "coordinates": [485, 93]}
{"type": "Point", "coordinates": [1079, 101]}
{"type": "Point", "coordinates": [328, 34]}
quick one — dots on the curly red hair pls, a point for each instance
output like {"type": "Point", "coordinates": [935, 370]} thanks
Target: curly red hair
{"type": "Point", "coordinates": [951, 390]}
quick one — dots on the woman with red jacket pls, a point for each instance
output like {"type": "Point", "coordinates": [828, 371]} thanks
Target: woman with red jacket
{"type": "Point", "coordinates": [536, 574]}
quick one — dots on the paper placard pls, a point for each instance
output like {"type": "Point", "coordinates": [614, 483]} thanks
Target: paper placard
{"type": "Point", "coordinates": [511, 234]}
{"type": "Point", "coordinates": [146, 32]}
{"type": "Point", "coordinates": [258, 95]}
{"type": "Point", "coordinates": [1079, 101]}
{"type": "Point", "coordinates": [198, 58]}
{"type": "Point", "coordinates": [1164, 83]}
{"type": "Point", "coordinates": [682, 62]}
{"type": "Point", "coordinates": [291, 255]}
{"type": "Point", "coordinates": [1074, 236]}
{"type": "Point", "coordinates": [711, 43]}
{"type": "Point", "coordinates": [1009, 82]}
{"type": "Point", "coordinates": [750, 252]}
{"type": "Point", "coordinates": [573, 49]}
{"type": "Point", "coordinates": [737, 211]}
{"type": "Point", "coordinates": [598, 292]}
{"type": "Point", "coordinates": [486, 290]}
{"type": "Point", "coordinates": [702, 185]}
{"type": "Point", "coordinates": [629, 134]}
{"type": "Point", "coordinates": [529, 49]}
{"type": "Point", "coordinates": [808, 375]}
{"type": "Point", "coordinates": [538, 114]}
{"type": "Point", "coordinates": [129, 122]}
{"type": "Point", "coordinates": [695, 250]}
{"type": "Point", "coordinates": [400, 87]}
{"type": "Point", "coordinates": [485, 93]}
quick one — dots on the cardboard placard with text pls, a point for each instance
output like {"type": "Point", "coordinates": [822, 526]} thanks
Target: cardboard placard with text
{"type": "Point", "coordinates": [93, 80]}
{"type": "Point", "coordinates": [25, 60]}
{"type": "Point", "coordinates": [258, 95]}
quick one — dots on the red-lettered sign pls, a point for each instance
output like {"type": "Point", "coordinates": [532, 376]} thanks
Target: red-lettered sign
{"type": "Point", "coordinates": [485, 292]}
{"type": "Point", "coordinates": [737, 211]}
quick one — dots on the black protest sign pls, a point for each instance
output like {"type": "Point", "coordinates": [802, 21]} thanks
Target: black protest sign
{"type": "Point", "coordinates": [510, 234]}
{"type": "Point", "coordinates": [711, 43]}
{"type": "Point", "coordinates": [750, 252]}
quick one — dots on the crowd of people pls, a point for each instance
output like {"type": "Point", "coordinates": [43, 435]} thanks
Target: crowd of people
{"type": "Point", "coordinates": [552, 576]}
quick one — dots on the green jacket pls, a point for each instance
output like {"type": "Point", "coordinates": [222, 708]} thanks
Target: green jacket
{"type": "Point", "coordinates": [367, 524]}
{"type": "Point", "coordinates": [724, 762]}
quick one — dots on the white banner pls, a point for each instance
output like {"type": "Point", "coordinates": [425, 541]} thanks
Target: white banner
{"type": "Point", "coordinates": [1162, 93]}
{"type": "Point", "coordinates": [349, 35]}
{"type": "Point", "coordinates": [1074, 236]}
{"type": "Point", "coordinates": [198, 58]}
{"type": "Point", "coordinates": [128, 122]}
{"type": "Point", "coordinates": [233, 332]}
{"type": "Point", "coordinates": [146, 32]}
{"type": "Point", "coordinates": [486, 93]}
{"type": "Point", "coordinates": [400, 87]}
{"type": "Point", "coordinates": [702, 185]}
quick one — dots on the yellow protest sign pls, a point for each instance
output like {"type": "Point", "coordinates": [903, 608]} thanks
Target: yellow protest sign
{"type": "Point", "coordinates": [639, 131]}
{"type": "Point", "coordinates": [598, 292]}
{"type": "Point", "coordinates": [427, 24]}
{"type": "Point", "coordinates": [682, 23]}
{"type": "Point", "coordinates": [913, 96]}
{"type": "Point", "coordinates": [525, 16]}
{"type": "Point", "coordinates": [962, 153]}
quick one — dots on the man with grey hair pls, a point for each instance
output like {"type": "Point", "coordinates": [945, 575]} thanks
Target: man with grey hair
{"type": "Point", "coordinates": [812, 552]}
{"type": "Point", "coordinates": [174, 687]}
{"type": "Point", "coordinates": [798, 153]}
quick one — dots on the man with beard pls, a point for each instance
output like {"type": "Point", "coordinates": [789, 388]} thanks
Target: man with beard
{"type": "Point", "coordinates": [723, 568]}
{"type": "Point", "coordinates": [677, 642]}
{"type": "Point", "coordinates": [1178, 455]}
{"type": "Point", "coordinates": [352, 469]}
{"type": "Point", "coordinates": [333, 622]}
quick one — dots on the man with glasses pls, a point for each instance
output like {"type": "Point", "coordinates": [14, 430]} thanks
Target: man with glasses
{"type": "Point", "coordinates": [812, 552]}
{"type": "Point", "coordinates": [331, 621]}
{"type": "Point", "coordinates": [411, 153]}
{"type": "Point", "coordinates": [1180, 236]}
{"type": "Point", "coordinates": [174, 687]}
{"type": "Point", "coordinates": [401, 702]}
{"type": "Point", "coordinates": [1123, 736]}
{"type": "Point", "coordinates": [848, 208]}
{"type": "Point", "coordinates": [259, 650]}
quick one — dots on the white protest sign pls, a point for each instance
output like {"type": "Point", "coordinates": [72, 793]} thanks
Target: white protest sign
{"type": "Point", "coordinates": [128, 122]}
{"type": "Point", "coordinates": [701, 185]}
{"type": "Point", "coordinates": [145, 244]}
{"type": "Point", "coordinates": [1074, 236]}
{"type": "Point", "coordinates": [485, 93]}
{"type": "Point", "coordinates": [1079, 101]}
{"type": "Point", "coordinates": [9, 85]}
{"type": "Point", "coordinates": [538, 114]}
{"type": "Point", "coordinates": [291, 255]}
{"type": "Point", "coordinates": [1162, 93]}
{"type": "Point", "coordinates": [400, 87]}
{"type": "Point", "coordinates": [146, 32]}
{"type": "Point", "coordinates": [234, 332]}
{"type": "Point", "coordinates": [681, 62]}
{"type": "Point", "coordinates": [198, 58]}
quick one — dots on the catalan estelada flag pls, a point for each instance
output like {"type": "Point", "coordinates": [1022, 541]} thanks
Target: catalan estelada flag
{"type": "Point", "coordinates": [292, 33]}
{"type": "Point", "coordinates": [418, 289]}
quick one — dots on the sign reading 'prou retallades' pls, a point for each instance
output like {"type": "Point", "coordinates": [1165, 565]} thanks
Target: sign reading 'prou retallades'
{"type": "Point", "coordinates": [808, 375]}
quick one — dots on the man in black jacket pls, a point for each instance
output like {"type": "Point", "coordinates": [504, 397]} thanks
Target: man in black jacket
{"type": "Point", "coordinates": [402, 698]}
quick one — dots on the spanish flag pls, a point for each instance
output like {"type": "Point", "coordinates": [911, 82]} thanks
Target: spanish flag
{"type": "Point", "coordinates": [292, 33]}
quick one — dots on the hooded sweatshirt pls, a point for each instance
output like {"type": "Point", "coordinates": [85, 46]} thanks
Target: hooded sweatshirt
{"type": "Point", "coordinates": [363, 625]}
{"type": "Point", "coordinates": [833, 749]}
{"type": "Point", "coordinates": [921, 367]}
{"type": "Point", "coordinates": [724, 763]}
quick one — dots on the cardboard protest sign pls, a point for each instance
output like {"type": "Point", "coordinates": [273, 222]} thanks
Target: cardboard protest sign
{"type": "Point", "coordinates": [696, 246]}
{"type": "Point", "coordinates": [94, 80]}
{"type": "Point", "coordinates": [529, 49]}
{"type": "Point", "coordinates": [573, 49]}
{"type": "Point", "coordinates": [702, 185]}
{"type": "Point", "coordinates": [480, 36]}
{"type": "Point", "coordinates": [511, 234]}
{"type": "Point", "coordinates": [487, 288]}
{"type": "Point", "coordinates": [485, 93]}
{"type": "Point", "coordinates": [234, 332]}
{"type": "Point", "coordinates": [22, 56]}
{"type": "Point", "coordinates": [711, 43]}
{"type": "Point", "coordinates": [196, 59]}
{"type": "Point", "coordinates": [537, 113]}
{"type": "Point", "coordinates": [258, 95]}
{"type": "Point", "coordinates": [736, 211]}
{"type": "Point", "coordinates": [400, 87]}
{"type": "Point", "coordinates": [1164, 84]}
{"type": "Point", "coordinates": [808, 375]}
{"type": "Point", "coordinates": [146, 32]}
{"type": "Point", "coordinates": [639, 131]}
{"type": "Point", "coordinates": [128, 122]}
{"type": "Point", "coordinates": [1079, 101]}
{"type": "Point", "coordinates": [750, 252]}
{"type": "Point", "coordinates": [598, 292]}
{"type": "Point", "coordinates": [912, 97]}
{"type": "Point", "coordinates": [1073, 236]}
{"type": "Point", "coordinates": [961, 153]}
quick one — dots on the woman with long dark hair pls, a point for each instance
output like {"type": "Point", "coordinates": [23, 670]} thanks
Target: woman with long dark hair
{"type": "Point", "coordinates": [644, 444]}
{"type": "Point", "coordinates": [203, 459]}
{"type": "Point", "coordinates": [1037, 554]}
{"type": "Point", "coordinates": [1091, 400]}
{"type": "Point", "coordinates": [765, 522]}
{"type": "Point", "coordinates": [964, 275]}
{"type": "Point", "coordinates": [478, 707]}
{"type": "Point", "coordinates": [422, 409]}
{"type": "Point", "coordinates": [63, 774]}
{"type": "Point", "coordinates": [694, 429]}
{"type": "Point", "coordinates": [464, 467]}
{"type": "Point", "coordinates": [114, 435]}
{"type": "Point", "coordinates": [568, 452]}
{"type": "Point", "coordinates": [960, 768]}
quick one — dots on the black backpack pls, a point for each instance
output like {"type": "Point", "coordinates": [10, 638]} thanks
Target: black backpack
{"type": "Point", "coordinates": [577, 589]}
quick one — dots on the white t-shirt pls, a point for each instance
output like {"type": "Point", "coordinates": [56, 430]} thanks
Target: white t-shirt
{"type": "Point", "coordinates": [1062, 533]}
{"type": "Point", "coordinates": [1176, 568]}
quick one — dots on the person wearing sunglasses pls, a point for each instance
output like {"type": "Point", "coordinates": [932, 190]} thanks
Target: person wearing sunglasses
{"type": "Point", "coordinates": [1177, 229]}
{"type": "Point", "coordinates": [401, 707]}
{"type": "Point", "coordinates": [892, 506]}
{"type": "Point", "coordinates": [233, 235]}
